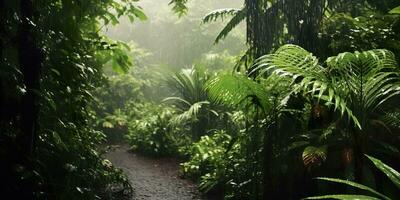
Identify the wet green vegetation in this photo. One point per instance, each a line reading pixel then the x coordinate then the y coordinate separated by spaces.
pixel 258 99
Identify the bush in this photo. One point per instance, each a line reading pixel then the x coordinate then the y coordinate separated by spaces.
pixel 110 106
pixel 208 160
pixel 152 133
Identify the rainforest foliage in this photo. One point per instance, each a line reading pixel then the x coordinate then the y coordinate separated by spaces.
pixel 259 99
pixel 51 57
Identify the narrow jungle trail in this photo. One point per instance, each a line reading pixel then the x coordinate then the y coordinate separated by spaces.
pixel 153 179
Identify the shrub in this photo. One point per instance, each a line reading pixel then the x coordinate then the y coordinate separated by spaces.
pixel 152 133
pixel 208 160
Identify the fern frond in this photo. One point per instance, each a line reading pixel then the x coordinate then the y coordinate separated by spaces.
pixel 220 14
pixel 237 90
pixel 307 74
pixel 372 77
pixel 177 100
pixel 179 7
pixel 189 83
pixel 238 16
pixel 314 156
pixel 392 119
pixel 191 114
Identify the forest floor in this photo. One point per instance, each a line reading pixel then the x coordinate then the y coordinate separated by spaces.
pixel 153 178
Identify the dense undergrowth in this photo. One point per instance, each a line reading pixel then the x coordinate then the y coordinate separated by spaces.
pixel 52 55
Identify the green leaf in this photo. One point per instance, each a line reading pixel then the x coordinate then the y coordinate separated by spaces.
pixel 139 14
pixel 220 14
pixel 235 21
pixel 239 15
pixel 179 7
pixel 356 185
pixel 395 11
pixel 56 71
pixel 117 68
pixel 107 125
pixel 314 156
pixel 392 174
pixel 344 197
pixel 236 90
pixel 58 140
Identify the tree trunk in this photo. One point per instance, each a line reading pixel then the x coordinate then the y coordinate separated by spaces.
pixel 268 179
pixel 358 157
pixel 2 30
pixel 30 61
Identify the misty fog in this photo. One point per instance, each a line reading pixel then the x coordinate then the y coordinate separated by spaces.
pixel 177 42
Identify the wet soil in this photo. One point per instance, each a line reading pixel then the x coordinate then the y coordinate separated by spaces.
pixel 153 178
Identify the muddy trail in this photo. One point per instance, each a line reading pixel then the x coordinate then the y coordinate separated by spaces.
pixel 153 179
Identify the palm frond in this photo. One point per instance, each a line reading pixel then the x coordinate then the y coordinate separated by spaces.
pixel 220 14
pixel 345 197
pixel 235 21
pixel 356 185
pixel 392 119
pixel 314 156
pixel 177 100
pixel 371 77
pixel 179 7
pixel 235 90
pixel 191 114
pixel 307 74
pixel 244 61
pixel 239 15
pixel 189 84
pixel 395 11
pixel 392 174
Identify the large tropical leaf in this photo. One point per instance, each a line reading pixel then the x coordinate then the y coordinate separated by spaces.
pixel 369 78
pixel 350 197
pixel 177 100
pixel 395 11
pixel 345 197
pixel 238 90
pixel 356 185
pixel 192 101
pixel 314 156
pixel 191 114
pixel 392 174
pixel 307 74
pixel 189 84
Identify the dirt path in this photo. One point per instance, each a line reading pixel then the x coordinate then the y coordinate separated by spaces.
pixel 153 179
